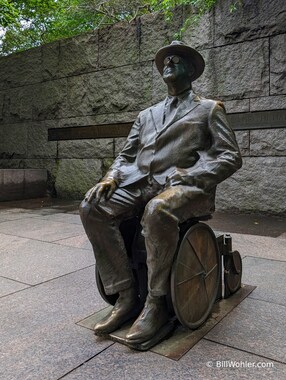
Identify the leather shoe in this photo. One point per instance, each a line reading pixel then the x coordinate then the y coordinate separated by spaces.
pixel 153 316
pixel 125 308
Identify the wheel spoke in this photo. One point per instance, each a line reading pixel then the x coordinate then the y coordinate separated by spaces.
pixel 199 304
pixel 206 251
pixel 205 289
pixel 195 276
pixel 210 271
pixel 190 278
pixel 185 265
pixel 196 254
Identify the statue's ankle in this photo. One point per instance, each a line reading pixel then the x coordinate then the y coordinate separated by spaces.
pixel 128 294
pixel 158 300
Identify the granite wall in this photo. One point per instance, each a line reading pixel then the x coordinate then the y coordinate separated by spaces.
pixel 108 76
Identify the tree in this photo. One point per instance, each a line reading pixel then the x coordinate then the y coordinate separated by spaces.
pixel 30 23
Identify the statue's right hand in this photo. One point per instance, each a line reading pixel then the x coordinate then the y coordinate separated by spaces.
pixel 106 188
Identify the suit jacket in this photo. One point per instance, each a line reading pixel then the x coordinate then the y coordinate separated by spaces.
pixel 196 148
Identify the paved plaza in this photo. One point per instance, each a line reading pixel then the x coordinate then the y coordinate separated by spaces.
pixel 47 287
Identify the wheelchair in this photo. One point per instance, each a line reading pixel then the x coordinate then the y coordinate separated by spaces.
pixel 204 270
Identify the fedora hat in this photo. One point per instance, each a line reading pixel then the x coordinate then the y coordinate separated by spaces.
pixel 179 48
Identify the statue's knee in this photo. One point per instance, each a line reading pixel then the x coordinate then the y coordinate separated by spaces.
pixel 155 211
pixel 95 214
pixel 84 209
pixel 87 210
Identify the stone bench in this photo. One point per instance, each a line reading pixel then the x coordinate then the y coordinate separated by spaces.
pixel 22 183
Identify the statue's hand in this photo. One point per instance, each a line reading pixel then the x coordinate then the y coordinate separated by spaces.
pixel 106 188
pixel 176 177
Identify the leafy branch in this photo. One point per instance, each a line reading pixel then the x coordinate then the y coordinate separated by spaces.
pixel 28 23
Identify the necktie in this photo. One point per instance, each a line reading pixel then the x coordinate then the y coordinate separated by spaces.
pixel 171 109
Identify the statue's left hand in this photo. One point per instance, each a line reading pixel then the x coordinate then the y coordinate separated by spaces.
pixel 176 177
pixel 106 188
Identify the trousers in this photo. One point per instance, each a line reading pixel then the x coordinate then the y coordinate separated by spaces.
pixel 163 210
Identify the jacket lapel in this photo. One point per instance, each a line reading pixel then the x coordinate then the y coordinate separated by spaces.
pixel 157 112
pixel 184 108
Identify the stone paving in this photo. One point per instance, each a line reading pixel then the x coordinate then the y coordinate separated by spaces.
pixel 47 286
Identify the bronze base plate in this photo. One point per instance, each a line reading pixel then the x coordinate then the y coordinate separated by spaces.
pixel 182 339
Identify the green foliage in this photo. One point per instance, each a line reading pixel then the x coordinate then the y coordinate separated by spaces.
pixel 8 13
pixel 234 6
pixel 29 23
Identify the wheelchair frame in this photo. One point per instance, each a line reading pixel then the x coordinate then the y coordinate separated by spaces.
pixel 205 268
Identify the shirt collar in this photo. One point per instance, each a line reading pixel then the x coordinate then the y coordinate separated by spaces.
pixel 182 96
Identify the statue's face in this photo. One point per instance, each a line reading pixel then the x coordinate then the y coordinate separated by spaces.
pixel 175 69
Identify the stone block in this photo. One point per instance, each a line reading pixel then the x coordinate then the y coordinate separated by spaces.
pixel 38 145
pixel 50 165
pixel 85 148
pixel 2 102
pixel 155 32
pixel 75 177
pixel 236 71
pixel 20 103
pixel 250 327
pixel 36 229
pixel 46 260
pixel 258 186
pixel 13 185
pixel 62 217
pixel 2 145
pixel 259 224
pixel 78 54
pixel 268 142
pixel 119 144
pixel 106 163
pixel 269 276
pixel 14 143
pixel 35 183
pixel 4 67
pixel 10 163
pixel 50 99
pixel 277 64
pixel 206 84
pixel 118 45
pixel 127 88
pixel 50 60
pixel 80 241
pixel 9 286
pixel 258 246
pixel 20 69
pixel 268 103
pixel 203 361
pixel 199 34
pixel 14 214
pixel 22 183
pixel 39 163
pixel 237 106
pixel 38 328
pixel 242 138
pixel 251 20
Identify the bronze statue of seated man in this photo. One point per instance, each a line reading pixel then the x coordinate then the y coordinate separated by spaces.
pixel 176 153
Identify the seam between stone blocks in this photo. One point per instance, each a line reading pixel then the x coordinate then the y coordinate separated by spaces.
pixel 269 67
pixel 248 352
pixel 139 63
pixel 242 42
pixel 86 361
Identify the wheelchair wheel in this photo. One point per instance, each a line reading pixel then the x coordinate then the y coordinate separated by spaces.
pixel 111 299
pixel 232 273
pixel 195 276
